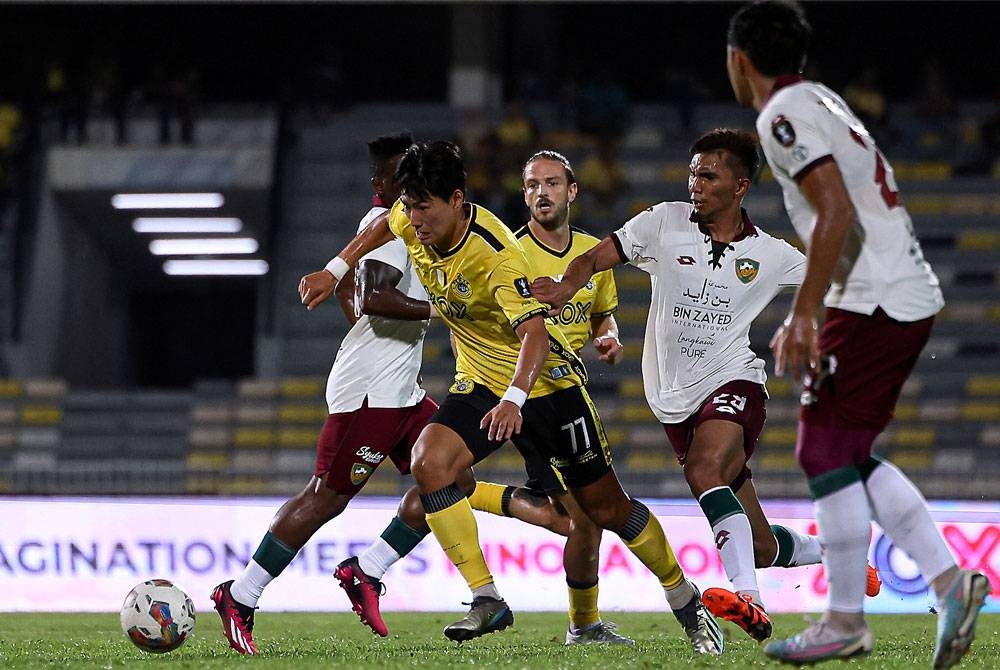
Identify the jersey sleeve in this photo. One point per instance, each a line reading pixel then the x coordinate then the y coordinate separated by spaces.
pixel 398 220
pixel 637 240
pixel 793 265
pixel 391 253
pixel 793 140
pixel 605 294
pixel 510 287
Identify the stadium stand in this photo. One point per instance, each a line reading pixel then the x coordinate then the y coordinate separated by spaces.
pixel 256 435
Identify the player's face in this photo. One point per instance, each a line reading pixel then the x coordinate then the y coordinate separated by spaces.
pixel 739 82
pixel 715 191
pixel 384 180
pixel 548 193
pixel 436 221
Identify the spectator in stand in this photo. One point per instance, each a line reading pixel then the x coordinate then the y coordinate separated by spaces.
pixel 603 173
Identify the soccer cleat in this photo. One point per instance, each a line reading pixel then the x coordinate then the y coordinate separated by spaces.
pixel 601 632
pixel 740 609
pixel 820 643
pixel 364 592
pixel 701 628
pixel 237 619
pixel 873 583
pixel 487 615
pixel 957 619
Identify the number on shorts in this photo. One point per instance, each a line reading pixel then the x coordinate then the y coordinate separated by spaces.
pixel 571 427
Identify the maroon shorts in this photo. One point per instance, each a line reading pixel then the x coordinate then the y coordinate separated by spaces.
pixel 353 444
pixel 740 401
pixel 866 361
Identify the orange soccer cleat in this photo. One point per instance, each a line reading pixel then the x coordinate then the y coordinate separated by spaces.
pixel 741 610
pixel 873 584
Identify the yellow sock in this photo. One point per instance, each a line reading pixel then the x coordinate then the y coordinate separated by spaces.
pixel 651 547
pixel 488 497
pixel 456 531
pixel 583 607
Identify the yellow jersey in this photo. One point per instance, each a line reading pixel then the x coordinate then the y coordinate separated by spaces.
pixel 480 289
pixel 598 297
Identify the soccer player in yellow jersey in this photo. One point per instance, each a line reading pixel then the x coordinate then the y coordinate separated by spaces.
pixel 550 187
pixel 508 362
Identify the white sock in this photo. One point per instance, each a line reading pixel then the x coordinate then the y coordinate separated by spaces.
pixel 844 530
pixel 248 587
pixel 377 558
pixel 680 595
pixel 808 550
pixel 488 590
pixel 902 512
pixel 734 540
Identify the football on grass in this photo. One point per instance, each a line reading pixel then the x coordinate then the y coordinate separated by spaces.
pixel 157 616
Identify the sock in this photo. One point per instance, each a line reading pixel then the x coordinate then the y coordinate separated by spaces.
pixel 450 517
pixel 487 591
pixel 397 540
pixel 492 498
pixel 902 512
pixel 583 612
pixel 733 537
pixel 269 561
pixel 844 522
pixel 680 595
pixel 644 537
pixel 795 548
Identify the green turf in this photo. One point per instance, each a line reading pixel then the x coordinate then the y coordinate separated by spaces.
pixel 332 641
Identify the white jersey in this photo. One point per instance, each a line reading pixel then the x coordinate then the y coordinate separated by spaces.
pixel 705 295
pixel 804 124
pixel 379 357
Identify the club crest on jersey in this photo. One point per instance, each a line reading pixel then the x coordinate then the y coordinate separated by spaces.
pixel 521 284
pixel 360 472
pixel 782 130
pixel 747 269
pixel 462 386
pixel 462 288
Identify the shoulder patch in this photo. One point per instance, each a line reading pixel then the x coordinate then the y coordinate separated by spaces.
pixel 522 287
pixel 782 130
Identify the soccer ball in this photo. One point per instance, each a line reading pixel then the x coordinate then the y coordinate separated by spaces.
pixel 157 616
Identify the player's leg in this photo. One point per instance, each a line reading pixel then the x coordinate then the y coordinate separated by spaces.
pixel 567 423
pixel 337 479
pixel 520 503
pixel 447 447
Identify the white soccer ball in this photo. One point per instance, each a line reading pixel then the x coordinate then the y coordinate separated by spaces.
pixel 157 616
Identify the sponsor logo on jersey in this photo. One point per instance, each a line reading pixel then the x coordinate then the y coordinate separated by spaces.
pixel 747 269
pixel 369 455
pixel 521 285
pixel 360 472
pixel 462 288
pixel 573 312
pixel 462 386
pixel 782 130
pixel 800 153
pixel 685 260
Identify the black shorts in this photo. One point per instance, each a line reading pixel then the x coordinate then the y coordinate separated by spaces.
pixel 561 430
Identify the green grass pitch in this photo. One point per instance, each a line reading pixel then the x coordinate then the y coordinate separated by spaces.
pixel 331 641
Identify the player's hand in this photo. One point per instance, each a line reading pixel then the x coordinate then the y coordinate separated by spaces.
pixel 609 349
pixel 552 292
pixel 315 288
pixel 502 421
pixel 796 346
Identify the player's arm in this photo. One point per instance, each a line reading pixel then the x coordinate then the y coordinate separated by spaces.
pixel 604 330
pixel 378 294
pixel 504 420
pixel 604 256
pixel 345 297
pixel 316 287
pixel 795 344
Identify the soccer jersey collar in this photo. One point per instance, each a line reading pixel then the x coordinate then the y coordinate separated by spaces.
pixel 546 248
pixel 783 81
pixel 468 230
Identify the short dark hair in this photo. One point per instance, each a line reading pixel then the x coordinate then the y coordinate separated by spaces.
pixel 550 155
pixel 774 34
pixel 740 146
pixel 431 169
pixel 383 148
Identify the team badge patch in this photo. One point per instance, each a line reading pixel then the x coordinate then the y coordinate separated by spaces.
pixel 521 284
pixel 360 472
pixel 782 130
pixel 462 288
pixel 747 269
pixel 461 386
